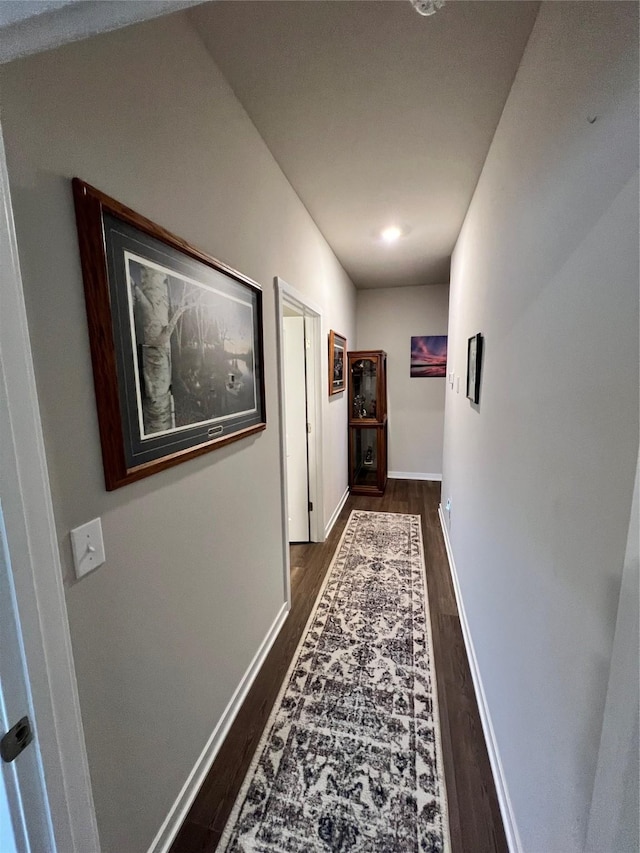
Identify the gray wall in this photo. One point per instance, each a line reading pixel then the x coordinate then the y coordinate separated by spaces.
pixel 541 472
pixel 164 631
pixel 386 319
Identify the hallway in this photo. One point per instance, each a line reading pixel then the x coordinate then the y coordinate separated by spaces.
pixel 498 142
pixel 474 815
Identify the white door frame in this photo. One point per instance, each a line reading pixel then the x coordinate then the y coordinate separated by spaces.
pixel 313 326
pixel 296 420
pixel 35 564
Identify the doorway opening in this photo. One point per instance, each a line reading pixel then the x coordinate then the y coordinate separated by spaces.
pixel 299 325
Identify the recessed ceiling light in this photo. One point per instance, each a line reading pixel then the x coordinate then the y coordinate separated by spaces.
pixel 391 234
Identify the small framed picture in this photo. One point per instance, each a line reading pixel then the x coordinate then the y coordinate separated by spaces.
pixel 176 342
pixel 474 364
pixel 337 350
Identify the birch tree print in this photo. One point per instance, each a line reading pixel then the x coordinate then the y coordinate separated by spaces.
pixel 195 359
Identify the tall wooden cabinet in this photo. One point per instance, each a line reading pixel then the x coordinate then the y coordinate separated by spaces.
pixel 367 422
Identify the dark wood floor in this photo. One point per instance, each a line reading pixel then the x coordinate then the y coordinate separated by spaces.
pixel 474 816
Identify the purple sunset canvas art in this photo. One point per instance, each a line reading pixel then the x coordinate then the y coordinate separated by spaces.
pixel 429 355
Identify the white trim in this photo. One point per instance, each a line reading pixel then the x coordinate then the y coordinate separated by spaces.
pixel 315 386
pixel 506 808
pixel 284 500
pixel 36 568
pixel 336 513
pixel 409 475
pixel 297 297
pixel 178 812
pixel 316 378
pixel 295 424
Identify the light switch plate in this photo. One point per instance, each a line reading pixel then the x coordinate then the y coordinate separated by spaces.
pixel 88 547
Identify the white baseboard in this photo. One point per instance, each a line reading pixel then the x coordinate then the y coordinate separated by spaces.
pixel 174 820
pixel 506 809
pixel 409 475
pixel 336 513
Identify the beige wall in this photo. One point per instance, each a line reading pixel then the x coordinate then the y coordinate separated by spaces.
pixel 541 472
pixel 387 318
pixel 165 630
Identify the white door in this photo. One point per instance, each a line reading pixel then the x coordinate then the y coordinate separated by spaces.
pixel 24 810
pixel 7 835
pixel 45 794
pixel 295 399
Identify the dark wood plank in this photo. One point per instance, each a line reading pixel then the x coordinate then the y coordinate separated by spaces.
pixel 474 815
pixel 194 838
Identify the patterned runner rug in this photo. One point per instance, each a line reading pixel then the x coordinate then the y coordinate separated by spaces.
pixel 351 759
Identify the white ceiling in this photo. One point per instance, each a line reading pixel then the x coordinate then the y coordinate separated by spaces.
pixel 375 114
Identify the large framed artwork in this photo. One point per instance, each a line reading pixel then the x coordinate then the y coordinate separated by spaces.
pixel 474 365
pixel 176 342
pixel 337 350
pixel 428 355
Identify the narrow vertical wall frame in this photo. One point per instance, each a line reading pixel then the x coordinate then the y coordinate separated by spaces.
pixel 337 363
pixel 474 367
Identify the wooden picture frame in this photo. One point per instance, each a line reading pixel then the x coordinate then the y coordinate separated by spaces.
pixel 474 366
pixel 337 362
pixel 176 342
